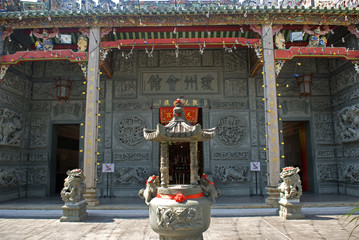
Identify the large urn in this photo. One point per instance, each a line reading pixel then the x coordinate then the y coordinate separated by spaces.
pixel 179 211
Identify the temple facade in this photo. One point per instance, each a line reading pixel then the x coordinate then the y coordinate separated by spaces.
pixel 79 82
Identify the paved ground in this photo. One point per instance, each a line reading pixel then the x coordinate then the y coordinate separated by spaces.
pixel 127 219
pixel 227 224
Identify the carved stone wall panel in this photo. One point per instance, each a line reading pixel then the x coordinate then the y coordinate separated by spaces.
pixel 67 111
pixel 235 87
pixel 259 87
pixel 254 130
pixel 131 156
pixel 345 79
pixel 286 86
pixel 174 81
pixel 39 131
pixel 345 98
pixel 38 69
pixel 186 58
pixel 351 173
pixel 261 128
pixel 232 129
pixel 127 63
pixel 351 152
pixel 11 128
pixel 10 100
pixel 335 63
pixel 227 174
pixel 322 65
pixel 131 175
pixel 179 218
pixel 347 124
pixel 125 88
pixel 149 59
pixel 324 153
pixel 128 130
pixel 294 107
pixel 62 68
pixel 108 130
pixel 260 104
pixel 37 175
pixel 24 67
pixel 38 156
pixel 306 64
pixel 230 104
pixel 327 172
pixel 320 87
pixel 40 107
pixel 218 58
pixel 44 91
pixel 320 104
pixel 119 106
pixel 14 83
pixel 323 131
pixel 208 58
pixel 12 156
pixel 239 155
pixel 236 61
pixel 78 88
pixel 9 176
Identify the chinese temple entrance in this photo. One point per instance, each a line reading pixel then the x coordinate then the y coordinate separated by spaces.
pixel 179 162
pixel 297 151
pixel 65 153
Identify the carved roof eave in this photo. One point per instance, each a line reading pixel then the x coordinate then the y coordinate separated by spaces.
pixel 166 134
pixel 21 20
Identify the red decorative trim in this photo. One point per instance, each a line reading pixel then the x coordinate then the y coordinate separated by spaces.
pixel 309 52
pixel 191 114
pixel 179 197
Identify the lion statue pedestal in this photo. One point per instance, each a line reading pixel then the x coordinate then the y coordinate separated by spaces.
pixel 290 193
pixel 74 209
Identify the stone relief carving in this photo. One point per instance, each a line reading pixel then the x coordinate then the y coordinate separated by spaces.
pixel 207 58
pixel 261 128
pixel 8 177
pixel 351 173
pixel 334 63
pixel 218 59
pixel 254 131
pixel 328 172
pixel 236 104
pixel 230 130
pixel 60 68
pixel 13 83
pixel 129 130
pixel 179 218
pixel 322 65
pixel 294 107
pixel 346 78
pixel 78 88
pixel 348 123
pixel 108 131
pixel 44 90
pixel 351 152
pixel 320 87
pixel 40 107
pixel 125 89
pixel 131 156
pixel 323 128
pixel 38 132
pixel 17 103
pixel 37 175
pixel 235 87
pixel 185 58
pixel 11 127
pixel 38 157
pixel 346 97
pixel 66 110
pixel 235 61
pixel 327 153
pixel 126 63
pixel 243 155
pixel 286 86
pixel 12 156
pixel 131 175
pixel 320 103
pixel 231 174
pixel 128 106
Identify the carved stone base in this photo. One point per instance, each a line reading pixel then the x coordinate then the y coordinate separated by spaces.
pixel 91 197
pixel 273 196
pixel 174 219
pixel 74 212
pixel 290 209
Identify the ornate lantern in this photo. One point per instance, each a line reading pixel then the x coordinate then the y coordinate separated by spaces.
pixel 63 89
pixel 304 85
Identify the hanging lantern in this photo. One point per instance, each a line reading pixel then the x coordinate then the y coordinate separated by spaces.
pixel 63 89
pixel 304 85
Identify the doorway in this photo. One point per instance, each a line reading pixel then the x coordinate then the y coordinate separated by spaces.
pixel 65 153
pixel 296 139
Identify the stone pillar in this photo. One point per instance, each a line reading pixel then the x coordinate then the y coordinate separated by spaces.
pixel 194 162
pixel 91 118
pixel 271 116
pixel 164 167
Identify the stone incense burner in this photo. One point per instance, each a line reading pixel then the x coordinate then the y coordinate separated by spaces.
pixel 179 211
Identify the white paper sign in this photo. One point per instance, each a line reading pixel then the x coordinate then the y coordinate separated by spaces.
pixel 108 167
pixel 255 166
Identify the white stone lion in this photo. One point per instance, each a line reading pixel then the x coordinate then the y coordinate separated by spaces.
pixel 291 187
pixel 74 186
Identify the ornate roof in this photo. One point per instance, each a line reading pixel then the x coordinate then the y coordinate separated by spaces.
pixel 178 129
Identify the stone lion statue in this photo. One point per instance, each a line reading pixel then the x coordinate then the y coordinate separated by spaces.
pixel 291 187
pixel 74 186
pixel 148 193
pixel 208 188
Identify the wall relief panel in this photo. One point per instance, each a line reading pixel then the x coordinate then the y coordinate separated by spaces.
pixel 15 102
pixel 236 61
pixel 14 83
pixel 39 131
pixel 320 87
pixel 347 124
pixel 131 156
pixel 231 130
pixel 327 172
pixel 323 131
pixel 44 90
pixel 9 177
pixel 235 87
pixel 186 58
pixel 351 152
pixel 235 104
pixel 131 175
pixel 320 104
pixel 63 68
pixel 324 153
pixel 125 88
pixel 69 110
pixel 345 79
pixel 37 175
pixel 241 155
pixel 11 127
pixel 351 173
pixel 291 90
pixel 226 174
pixel 38 157
pixel 119 105
pixel 129 130
pixel 12 156
pixel 294 107
pixel 346 97
pixel 40 107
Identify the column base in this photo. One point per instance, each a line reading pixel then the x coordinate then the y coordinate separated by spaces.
pixel 91 197
pixel 273 196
